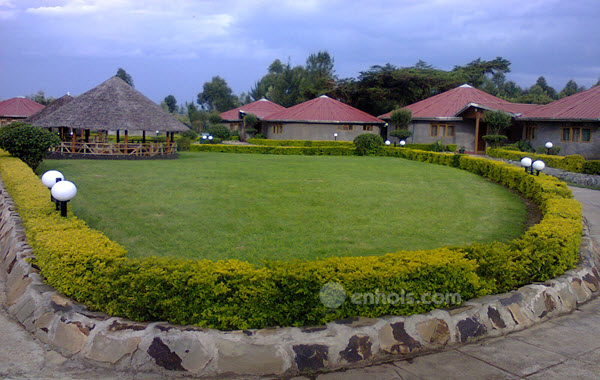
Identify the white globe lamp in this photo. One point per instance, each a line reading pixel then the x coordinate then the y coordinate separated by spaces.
pixel 63 192
pixel 402 142
pixel 51 177
pixel 538 165
pixel 387 142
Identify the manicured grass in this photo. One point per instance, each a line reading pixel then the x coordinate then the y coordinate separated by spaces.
pixel 254 207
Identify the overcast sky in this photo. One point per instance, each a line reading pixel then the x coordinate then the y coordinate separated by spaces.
pixel 174 46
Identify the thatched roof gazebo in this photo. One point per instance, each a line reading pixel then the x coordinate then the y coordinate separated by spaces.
pixel 112 106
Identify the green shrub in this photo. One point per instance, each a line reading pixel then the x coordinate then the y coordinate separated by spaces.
pixel 591 167
pixel 367 144
pixel 190 134
pixel 555 150
pixel 494 140
pixel 183 143
pixel 218 130
pixel 259 136
pixel 27 142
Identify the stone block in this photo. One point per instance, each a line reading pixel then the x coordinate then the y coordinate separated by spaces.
pixel 434 331
pixel 70 337
pixel 111 349
pixel 358 348
pixel 470 328
pixel 251 359
pixel 518 316
pixel 393 338
pixel 311 357
pixel 581 293
pixel 16 289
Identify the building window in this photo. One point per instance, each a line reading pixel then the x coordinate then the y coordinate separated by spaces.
pixel 345 127
pixel 367 127
pixel 441 130
pixel 433 130
pixel 277 129
pixel 530 132
pixel 576 134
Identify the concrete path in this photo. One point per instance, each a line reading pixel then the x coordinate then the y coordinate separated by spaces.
pixel 565 347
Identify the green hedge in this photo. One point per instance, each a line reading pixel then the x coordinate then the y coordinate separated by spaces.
pixel 572 163
pixel 305 143
pixel 87 266
pixel 432 147
pixel 279 150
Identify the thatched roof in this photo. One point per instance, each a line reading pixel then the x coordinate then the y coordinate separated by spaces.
pixel 113 105
pixel 56 104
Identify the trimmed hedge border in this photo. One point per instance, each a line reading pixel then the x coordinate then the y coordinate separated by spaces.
pixel 106 341
pixel 83 262
pixel 573 163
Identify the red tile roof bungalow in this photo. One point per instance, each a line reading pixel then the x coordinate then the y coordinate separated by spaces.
pixel 18 108
pixel 260 108
pixel 320 119
pixel 573 123
pixel 454 117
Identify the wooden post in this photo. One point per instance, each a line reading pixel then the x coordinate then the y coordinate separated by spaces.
pixel 117 136
pixel 87 135
pixel 476 132
pixel 126 141
pixel 73 137
pixel 143 137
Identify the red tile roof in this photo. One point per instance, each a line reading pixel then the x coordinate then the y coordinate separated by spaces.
pixel 260 108
pixel 324 109
pixel 451 104
pixel 583 105
pixel 19 107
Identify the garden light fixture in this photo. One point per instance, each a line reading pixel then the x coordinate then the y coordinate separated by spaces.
pixel 402 143
pixel 335 135
pixel 548 146
pixel 387 142
pixel 49 179
pixel 526 163
pixel 538 165
pixel 63 192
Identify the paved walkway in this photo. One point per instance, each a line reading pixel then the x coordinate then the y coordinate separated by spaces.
pixel 565 347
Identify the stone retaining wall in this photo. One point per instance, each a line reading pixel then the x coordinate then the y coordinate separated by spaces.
pixel 158 347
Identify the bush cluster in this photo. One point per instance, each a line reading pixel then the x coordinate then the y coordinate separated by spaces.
pixel 278 150
pixel 27 142
pixel 230 294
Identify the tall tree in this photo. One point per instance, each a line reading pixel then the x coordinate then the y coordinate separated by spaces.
pixel 319 77
pixel 121 73
pixel 476 71
pixel 571 88
pixel 541 82
pixel 171 103
pixel 217 96
pixel 40 97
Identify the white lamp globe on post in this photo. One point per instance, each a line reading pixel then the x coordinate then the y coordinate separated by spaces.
pixel 387 142
pixel 50 178
pixel 548 146
pixel 526 163
pixel 63 192
pixel 335 135
pixel 538 165
pixel 402 143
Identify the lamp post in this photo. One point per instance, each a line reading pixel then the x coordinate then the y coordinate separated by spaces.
pixel 63 192
pixel 548 146
pixel 49 179
pixel 387 142
pixel 526 163
pixel 538 165
pixel 402 143
pixel 335 135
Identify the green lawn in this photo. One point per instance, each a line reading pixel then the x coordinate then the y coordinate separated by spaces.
pixel 254 207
